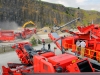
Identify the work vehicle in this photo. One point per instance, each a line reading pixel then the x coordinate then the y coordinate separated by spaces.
pixel 7 35
pixel 27 23
pixel 27 32
pixel 45 61
pixel 89 34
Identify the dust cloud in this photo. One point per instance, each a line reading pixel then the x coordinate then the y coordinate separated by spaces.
pixel 8 25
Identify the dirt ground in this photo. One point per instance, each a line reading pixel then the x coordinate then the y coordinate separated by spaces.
pixel 48 30
pixel 42 31
pixel 41 34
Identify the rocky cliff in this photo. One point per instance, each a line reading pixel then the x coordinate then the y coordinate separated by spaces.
pixel 43 13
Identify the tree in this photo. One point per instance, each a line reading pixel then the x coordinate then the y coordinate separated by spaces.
pixel 33 41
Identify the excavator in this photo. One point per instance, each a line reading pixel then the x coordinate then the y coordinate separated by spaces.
pixel 26 33
pixel 29 22
pixel 10 35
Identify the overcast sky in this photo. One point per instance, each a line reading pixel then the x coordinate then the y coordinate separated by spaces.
pixel 83 4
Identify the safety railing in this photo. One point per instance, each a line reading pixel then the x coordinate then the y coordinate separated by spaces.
pixel 90 53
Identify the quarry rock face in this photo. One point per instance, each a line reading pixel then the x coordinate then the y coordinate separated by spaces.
pixel 42 13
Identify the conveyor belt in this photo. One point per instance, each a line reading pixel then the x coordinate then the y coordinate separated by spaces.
pixel 94 63
pixel 56 36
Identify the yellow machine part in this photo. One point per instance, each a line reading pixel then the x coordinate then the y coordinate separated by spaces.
pixel 29 22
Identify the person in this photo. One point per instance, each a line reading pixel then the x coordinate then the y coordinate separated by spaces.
pixel 43 43
pixel 49 46
pixel 83 45
pixel 77 46
pixel 64 35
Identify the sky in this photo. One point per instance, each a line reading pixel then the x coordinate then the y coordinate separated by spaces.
pixel 83 4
